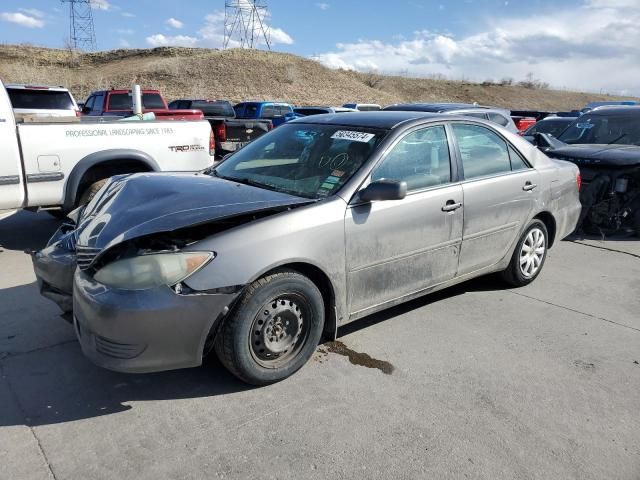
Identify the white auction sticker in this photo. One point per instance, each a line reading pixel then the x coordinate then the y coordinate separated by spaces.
pixel 353 136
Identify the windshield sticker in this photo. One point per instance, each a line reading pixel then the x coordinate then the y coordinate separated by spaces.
pixel 332 179
pixel 353 136
pixel 337 173
pixel 327 186
pixel 585 126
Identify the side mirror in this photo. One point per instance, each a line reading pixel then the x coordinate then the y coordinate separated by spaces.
pixel 383 190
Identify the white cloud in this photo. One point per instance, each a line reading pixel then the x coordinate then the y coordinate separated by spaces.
pixel 323 6
pixel 33 12
pixel 127 14
pixel 124 43
pixel 555 46
pixel 125 31
pixel 101 4
pixel 21 19
pixel 174 23
pixel 159 40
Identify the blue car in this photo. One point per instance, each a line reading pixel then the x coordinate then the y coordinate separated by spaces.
pixel 278 113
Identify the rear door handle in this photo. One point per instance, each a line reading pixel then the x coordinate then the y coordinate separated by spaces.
pixel 529 186
pixel 451 205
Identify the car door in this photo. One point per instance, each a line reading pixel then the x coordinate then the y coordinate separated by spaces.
pixel 11 179
pixel 500 191
pixel 398 247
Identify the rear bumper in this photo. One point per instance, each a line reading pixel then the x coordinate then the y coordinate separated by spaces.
pixel 143 331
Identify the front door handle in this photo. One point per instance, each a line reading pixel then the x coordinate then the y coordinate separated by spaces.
pixel 529 186
pixel 451 205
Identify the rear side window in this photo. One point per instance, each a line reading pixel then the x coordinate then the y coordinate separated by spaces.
pixel 123 101
pixel 40 99
pixel 421 159
pixel 517 162
pixel 499 119
pixel 481 115
pixel 483 151
pixel 270 111
pixel 152 100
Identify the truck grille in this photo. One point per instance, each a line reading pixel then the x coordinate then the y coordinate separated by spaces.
pixel 85 256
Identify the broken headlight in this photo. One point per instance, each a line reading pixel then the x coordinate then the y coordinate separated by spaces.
pixel 154 270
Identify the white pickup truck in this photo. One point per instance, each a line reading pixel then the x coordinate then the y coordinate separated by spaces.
pixel 57 164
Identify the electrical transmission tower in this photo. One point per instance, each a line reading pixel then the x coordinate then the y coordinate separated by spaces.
pixel 244 23
pixel 81 33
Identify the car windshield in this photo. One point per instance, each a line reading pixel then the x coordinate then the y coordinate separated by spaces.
pixel 214 108
pixel 124 101
pixel 602 129
pixel 312 161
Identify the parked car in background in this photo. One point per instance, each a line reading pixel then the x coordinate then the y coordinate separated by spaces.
pixel 590 106
pixel 278 113
pixel 60 165
pixel 363 107
pixel 554 126
pixel 306 111
pixel 523 123
pixel 231 133
pixel 496 115
pixel 605 144
pixel 120 103
pixel 41 101
pixel 319 222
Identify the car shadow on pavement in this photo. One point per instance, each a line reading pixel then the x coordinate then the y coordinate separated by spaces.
pixel 481 284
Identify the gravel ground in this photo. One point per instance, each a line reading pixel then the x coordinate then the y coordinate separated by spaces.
pixel 475 382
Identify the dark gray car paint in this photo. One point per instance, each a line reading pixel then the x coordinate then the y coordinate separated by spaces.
pixel 75 177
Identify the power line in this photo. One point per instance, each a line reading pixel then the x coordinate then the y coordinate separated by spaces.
pixel 244 23
pixel 82 35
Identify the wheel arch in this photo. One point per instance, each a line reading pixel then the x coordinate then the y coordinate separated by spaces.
pixel 127 159
pixel 550 222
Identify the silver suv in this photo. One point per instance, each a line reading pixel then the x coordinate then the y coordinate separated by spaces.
pixel 496 115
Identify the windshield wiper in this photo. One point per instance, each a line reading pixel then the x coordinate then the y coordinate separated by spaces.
pixel 619 138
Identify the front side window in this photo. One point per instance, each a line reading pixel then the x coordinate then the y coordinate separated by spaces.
pixel 483 151
pixel 421 159
pixel 601 129
pixel 312 161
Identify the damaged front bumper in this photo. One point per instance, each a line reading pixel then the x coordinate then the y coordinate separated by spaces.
pixel 138 331
pixel 54 267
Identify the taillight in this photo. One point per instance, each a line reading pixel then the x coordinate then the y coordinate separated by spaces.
pixel 212 144
pixel 78 113
pixel 221 132
pixel 578 181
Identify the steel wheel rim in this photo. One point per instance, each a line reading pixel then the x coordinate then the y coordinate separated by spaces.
pixel 532 252
pixel 279 330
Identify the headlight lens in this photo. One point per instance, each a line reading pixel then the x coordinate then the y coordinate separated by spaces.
pixel 149 271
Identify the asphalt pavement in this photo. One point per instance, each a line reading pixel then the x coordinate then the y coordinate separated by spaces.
pixel 478 381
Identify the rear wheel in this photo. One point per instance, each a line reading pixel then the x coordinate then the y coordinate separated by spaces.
pixel 90 192
pixel 529 255
pixel 274 329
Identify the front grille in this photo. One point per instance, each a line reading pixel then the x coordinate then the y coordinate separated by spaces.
pixel 85 256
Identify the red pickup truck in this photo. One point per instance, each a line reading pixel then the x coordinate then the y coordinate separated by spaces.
pixel 119 103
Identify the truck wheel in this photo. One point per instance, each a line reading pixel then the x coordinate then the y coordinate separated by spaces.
pixel 529 256
pixel 90 192
pixel 273 330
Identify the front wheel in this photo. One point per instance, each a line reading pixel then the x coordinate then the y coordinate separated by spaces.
pixel 273 330
pixel 529 256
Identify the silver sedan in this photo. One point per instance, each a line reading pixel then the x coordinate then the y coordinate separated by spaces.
pixel 322 221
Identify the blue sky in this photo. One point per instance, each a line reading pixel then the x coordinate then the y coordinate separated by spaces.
pixel 569 44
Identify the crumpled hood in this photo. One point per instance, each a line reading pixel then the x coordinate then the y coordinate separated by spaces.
pixel 598 155
pixel 145 203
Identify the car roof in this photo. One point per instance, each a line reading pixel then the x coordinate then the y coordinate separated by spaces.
pixel 375 119
pixel 22 86
pixel 439 107
pixel 620 110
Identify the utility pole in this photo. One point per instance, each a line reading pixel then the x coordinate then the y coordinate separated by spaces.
pixel 244 23
pixel 82 35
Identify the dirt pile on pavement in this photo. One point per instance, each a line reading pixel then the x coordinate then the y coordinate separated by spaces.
pixel 238 74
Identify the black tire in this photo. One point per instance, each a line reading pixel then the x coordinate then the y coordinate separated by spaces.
pixel 245 341
pixel 90 192
pixel 515 274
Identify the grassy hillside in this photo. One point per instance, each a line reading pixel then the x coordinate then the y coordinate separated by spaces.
pixel 256 75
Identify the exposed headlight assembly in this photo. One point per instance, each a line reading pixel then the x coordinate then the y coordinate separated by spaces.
pixel 154 270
